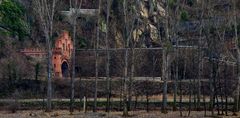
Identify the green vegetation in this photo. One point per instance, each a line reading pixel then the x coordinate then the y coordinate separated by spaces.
pixel 37 70
pixel 12 19
pixel 168 46
pixel 2 44
pixel 184 15
pixel 190 2
pixel 172 3
pixel 82 42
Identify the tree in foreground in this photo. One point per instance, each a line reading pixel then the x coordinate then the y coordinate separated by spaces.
pixel 45 11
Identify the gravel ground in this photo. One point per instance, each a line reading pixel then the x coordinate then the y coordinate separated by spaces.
pixel 76 114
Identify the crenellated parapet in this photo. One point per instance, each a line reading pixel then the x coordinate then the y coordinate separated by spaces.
pixel 34 52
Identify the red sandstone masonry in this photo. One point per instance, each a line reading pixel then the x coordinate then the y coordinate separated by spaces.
pixel 61 53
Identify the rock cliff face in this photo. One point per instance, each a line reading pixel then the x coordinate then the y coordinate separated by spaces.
pixel 148 14
pixel 144 31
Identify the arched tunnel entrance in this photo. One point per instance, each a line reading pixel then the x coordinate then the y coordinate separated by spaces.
pixel 64 68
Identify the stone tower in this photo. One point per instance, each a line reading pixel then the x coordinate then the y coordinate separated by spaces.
pixel 62 55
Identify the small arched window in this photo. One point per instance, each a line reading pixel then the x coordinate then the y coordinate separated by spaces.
pixel 64 48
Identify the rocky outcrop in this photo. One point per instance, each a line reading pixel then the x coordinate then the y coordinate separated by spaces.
pixel 150 12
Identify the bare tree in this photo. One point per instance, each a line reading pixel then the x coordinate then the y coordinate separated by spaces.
pixel 127 33
pixel 133 52
pixel 97 56
pixel 165 59
pixel 108 56
pixel 126 37
pixel 129 23
pixel 73 20
pixel 177 60
pixel 238 53
pixel 225 90
pixel 199 57
pixel 46 10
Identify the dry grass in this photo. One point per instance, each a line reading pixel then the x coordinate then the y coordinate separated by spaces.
pixel 76 114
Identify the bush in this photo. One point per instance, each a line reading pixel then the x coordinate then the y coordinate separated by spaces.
pixel 12 18
pixel 190 2
pixel 184 16
pixel 172 3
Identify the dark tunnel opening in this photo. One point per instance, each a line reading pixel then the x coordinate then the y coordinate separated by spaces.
pixel 64 68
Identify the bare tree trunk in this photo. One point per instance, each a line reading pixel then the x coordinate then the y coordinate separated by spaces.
pixel 190 97
pixel 80 92
pixel 164 77
pixel 200 61
pixel 77 6
pixel 108 57
pixel 181 94
pixel 176 80
pixel 97 57
pixel 165 59
pixel 180 101
pixel 238 55
pixel 177 58
pixel 73 68
pixel 137 2
pixel 131 79
pixel 194 92
pixel 147 94
pixel 217 89
pixel 126 37
pixel 121 96
pixel 211 102
pixel 225 90
pixel 136 102
pixel 204 104
pixel 222 104
pixel 49 87
pixel 125 110
pixel 46 11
